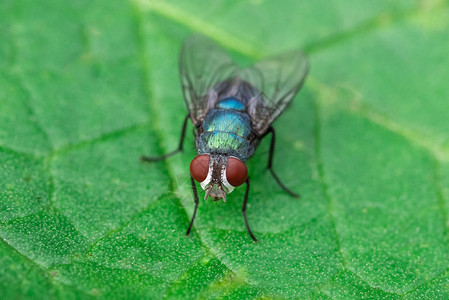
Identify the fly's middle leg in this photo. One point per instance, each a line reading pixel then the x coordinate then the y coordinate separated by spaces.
pixel 179 149
pixel 270 163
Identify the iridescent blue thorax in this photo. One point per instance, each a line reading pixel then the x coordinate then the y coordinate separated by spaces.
pixel 226 130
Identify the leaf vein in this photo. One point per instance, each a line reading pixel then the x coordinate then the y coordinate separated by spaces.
pixel 321 175
pixel 356 107
pixel 188 20
pixel 385 19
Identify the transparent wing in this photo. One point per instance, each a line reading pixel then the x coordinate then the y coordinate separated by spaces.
pixel 203 64
pixel 277 80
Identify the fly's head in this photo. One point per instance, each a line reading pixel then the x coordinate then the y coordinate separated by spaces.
pixel 218 174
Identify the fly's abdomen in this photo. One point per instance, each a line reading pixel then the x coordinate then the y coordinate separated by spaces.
pixel 226 130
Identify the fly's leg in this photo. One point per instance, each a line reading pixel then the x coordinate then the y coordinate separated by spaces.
pixel 245 200
pixel 195 196
pixel 270 164
pixel 181 142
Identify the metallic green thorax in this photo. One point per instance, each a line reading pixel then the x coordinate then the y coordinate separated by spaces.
pixel 225 130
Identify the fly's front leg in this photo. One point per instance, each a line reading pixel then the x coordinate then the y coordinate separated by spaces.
pixel 270 163
pixel 195 197
pixel 179 149
pixel 245 200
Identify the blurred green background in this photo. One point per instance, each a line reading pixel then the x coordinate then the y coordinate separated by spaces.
pixel 86 87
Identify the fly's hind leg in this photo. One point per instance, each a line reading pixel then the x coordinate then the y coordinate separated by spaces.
pixel 179 149
pixel 270 164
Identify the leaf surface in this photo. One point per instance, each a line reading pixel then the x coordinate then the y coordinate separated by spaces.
pixel 88 87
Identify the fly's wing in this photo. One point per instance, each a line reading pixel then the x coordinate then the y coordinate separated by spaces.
pixel 278 80
pixel 203 64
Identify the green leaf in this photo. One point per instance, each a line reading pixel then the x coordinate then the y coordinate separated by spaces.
pixel 87 87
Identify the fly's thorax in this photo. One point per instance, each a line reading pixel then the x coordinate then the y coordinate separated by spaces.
pixel 224 173
pixel 227 120
pixel 224 142
pixel 226 129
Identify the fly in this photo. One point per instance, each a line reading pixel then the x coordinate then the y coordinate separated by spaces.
pixel 232 110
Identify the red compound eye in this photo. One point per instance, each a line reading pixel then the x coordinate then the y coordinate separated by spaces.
pixel 236 171
pixel 199 167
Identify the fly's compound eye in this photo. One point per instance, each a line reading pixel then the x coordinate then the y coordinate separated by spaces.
pixel 236 171
pixel 199 167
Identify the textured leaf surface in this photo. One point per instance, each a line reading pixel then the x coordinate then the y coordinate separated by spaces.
pixel 87 87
